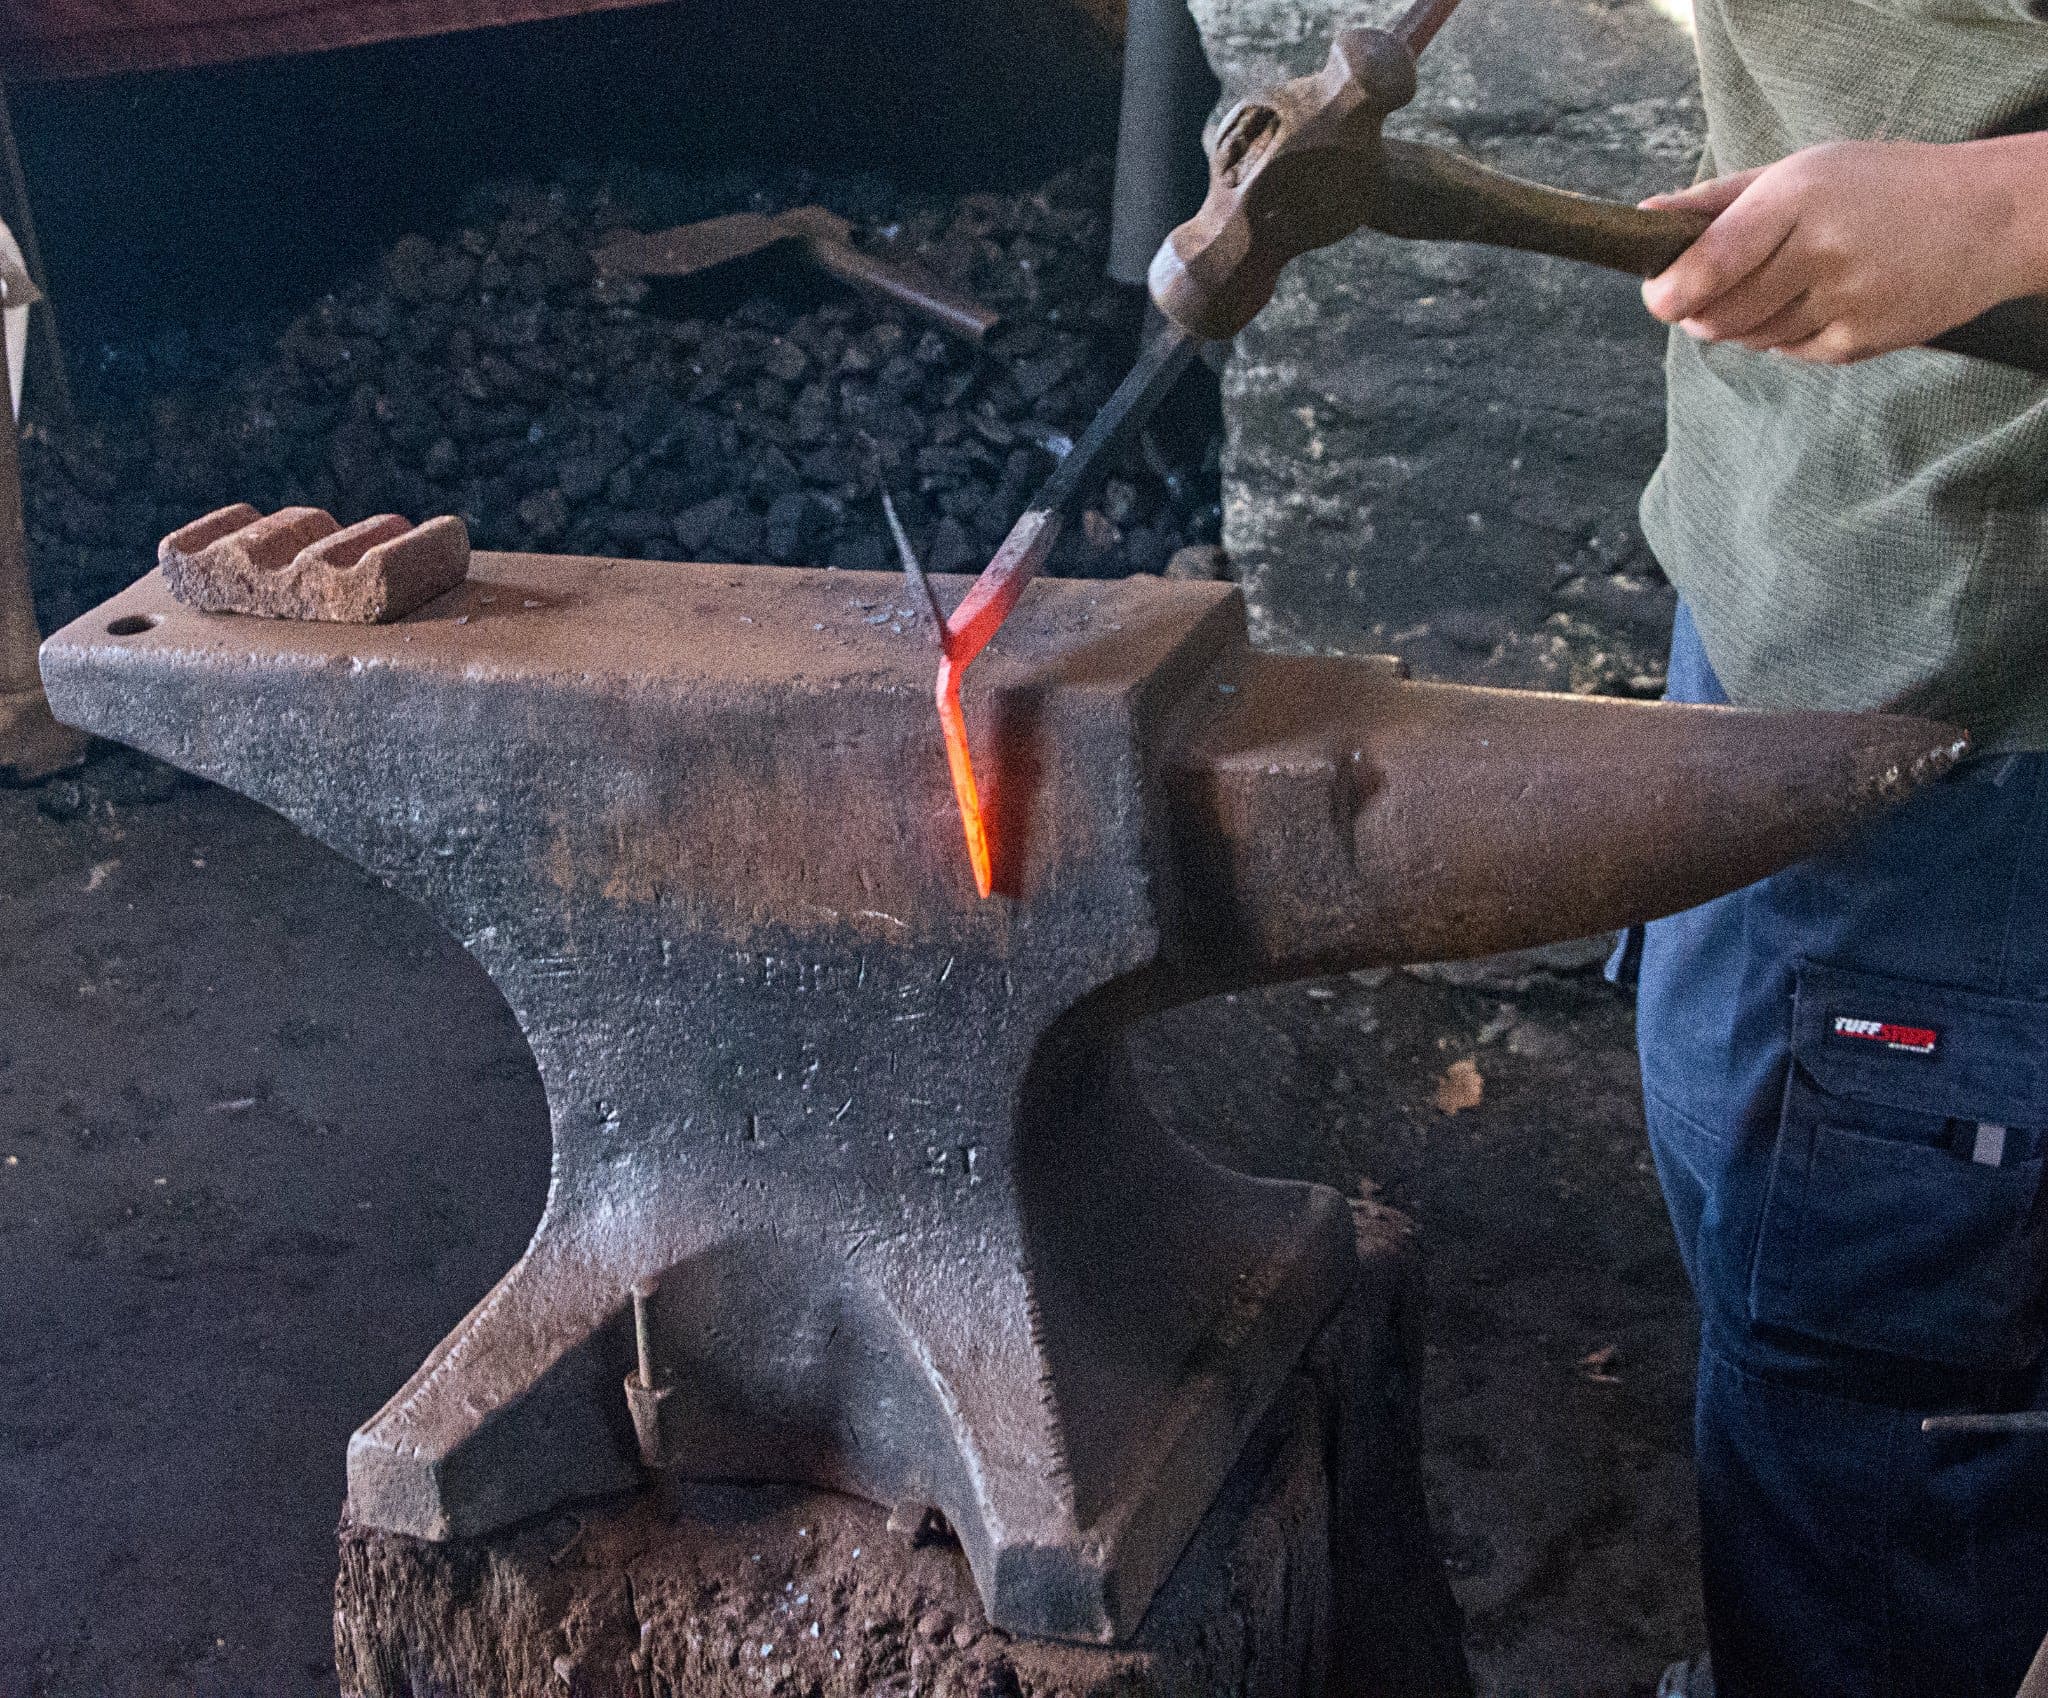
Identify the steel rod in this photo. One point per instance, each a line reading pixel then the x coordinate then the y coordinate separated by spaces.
pixel 643 1342
pixel 913 569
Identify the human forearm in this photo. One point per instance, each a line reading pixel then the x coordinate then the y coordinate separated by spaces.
pixel 1856 248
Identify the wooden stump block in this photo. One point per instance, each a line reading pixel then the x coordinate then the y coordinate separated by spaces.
pixel 1312 1577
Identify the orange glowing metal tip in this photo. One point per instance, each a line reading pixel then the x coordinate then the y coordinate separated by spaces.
pixel 953 723
pixel 955 652
pixel 965 635
pixel 977 619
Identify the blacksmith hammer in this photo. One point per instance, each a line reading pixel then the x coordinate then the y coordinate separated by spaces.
pixel 820 237
pixel 1303 165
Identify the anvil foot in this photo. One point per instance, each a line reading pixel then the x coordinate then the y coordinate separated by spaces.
pixel 1313 1575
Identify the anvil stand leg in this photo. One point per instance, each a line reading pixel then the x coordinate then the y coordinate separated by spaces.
pixel 1313 1576
pixel 32 744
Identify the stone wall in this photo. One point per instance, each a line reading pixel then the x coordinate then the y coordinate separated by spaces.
pixel 1438 448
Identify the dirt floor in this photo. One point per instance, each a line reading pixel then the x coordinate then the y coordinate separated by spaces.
pixel 265 1134
pixel 1558 1398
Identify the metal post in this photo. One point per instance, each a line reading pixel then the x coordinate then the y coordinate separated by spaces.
pixel 32 744
pixel 54 383
pixel 1161 172
pixel 647 1390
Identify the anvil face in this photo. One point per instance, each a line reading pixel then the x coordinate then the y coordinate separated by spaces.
pixel 870 1141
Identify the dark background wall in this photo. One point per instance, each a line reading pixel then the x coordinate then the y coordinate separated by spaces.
pixel 168 195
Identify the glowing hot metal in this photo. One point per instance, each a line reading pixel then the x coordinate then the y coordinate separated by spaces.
pixel 952 717
pixel 968 631
pixel 1024 551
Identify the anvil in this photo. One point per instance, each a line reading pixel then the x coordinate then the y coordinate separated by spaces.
pixel 868 1147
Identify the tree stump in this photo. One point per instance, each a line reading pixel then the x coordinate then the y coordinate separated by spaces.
pixel 1313 1575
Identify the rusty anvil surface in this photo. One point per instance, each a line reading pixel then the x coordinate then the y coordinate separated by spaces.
pixel 911 1231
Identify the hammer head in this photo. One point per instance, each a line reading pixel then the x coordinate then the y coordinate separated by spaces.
pixel 1294 169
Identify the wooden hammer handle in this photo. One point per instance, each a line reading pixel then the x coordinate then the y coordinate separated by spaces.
pixel 1431 194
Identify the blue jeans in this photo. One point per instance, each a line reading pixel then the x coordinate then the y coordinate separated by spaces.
pixel 1845 1069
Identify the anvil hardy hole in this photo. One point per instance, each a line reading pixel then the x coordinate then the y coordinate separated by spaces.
pixel 132 624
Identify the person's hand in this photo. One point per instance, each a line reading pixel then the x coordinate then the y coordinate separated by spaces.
pixel 1852 249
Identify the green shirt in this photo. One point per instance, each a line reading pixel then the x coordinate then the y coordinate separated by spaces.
pixel 1869 535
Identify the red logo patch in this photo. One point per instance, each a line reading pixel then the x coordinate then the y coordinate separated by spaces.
pixel 1914 1040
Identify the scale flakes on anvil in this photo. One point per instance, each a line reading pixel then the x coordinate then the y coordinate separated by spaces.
pixel 852 1185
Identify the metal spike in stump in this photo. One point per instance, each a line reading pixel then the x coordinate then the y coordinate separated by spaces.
pixel 916 1234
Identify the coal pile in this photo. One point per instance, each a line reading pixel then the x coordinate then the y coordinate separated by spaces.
pixel 491 372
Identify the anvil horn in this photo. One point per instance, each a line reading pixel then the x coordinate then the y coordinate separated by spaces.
pixel 1336 816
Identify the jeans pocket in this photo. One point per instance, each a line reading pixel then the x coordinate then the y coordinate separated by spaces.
pixel 1903 1213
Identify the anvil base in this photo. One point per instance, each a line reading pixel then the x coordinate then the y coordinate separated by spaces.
pixel 1312 1577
